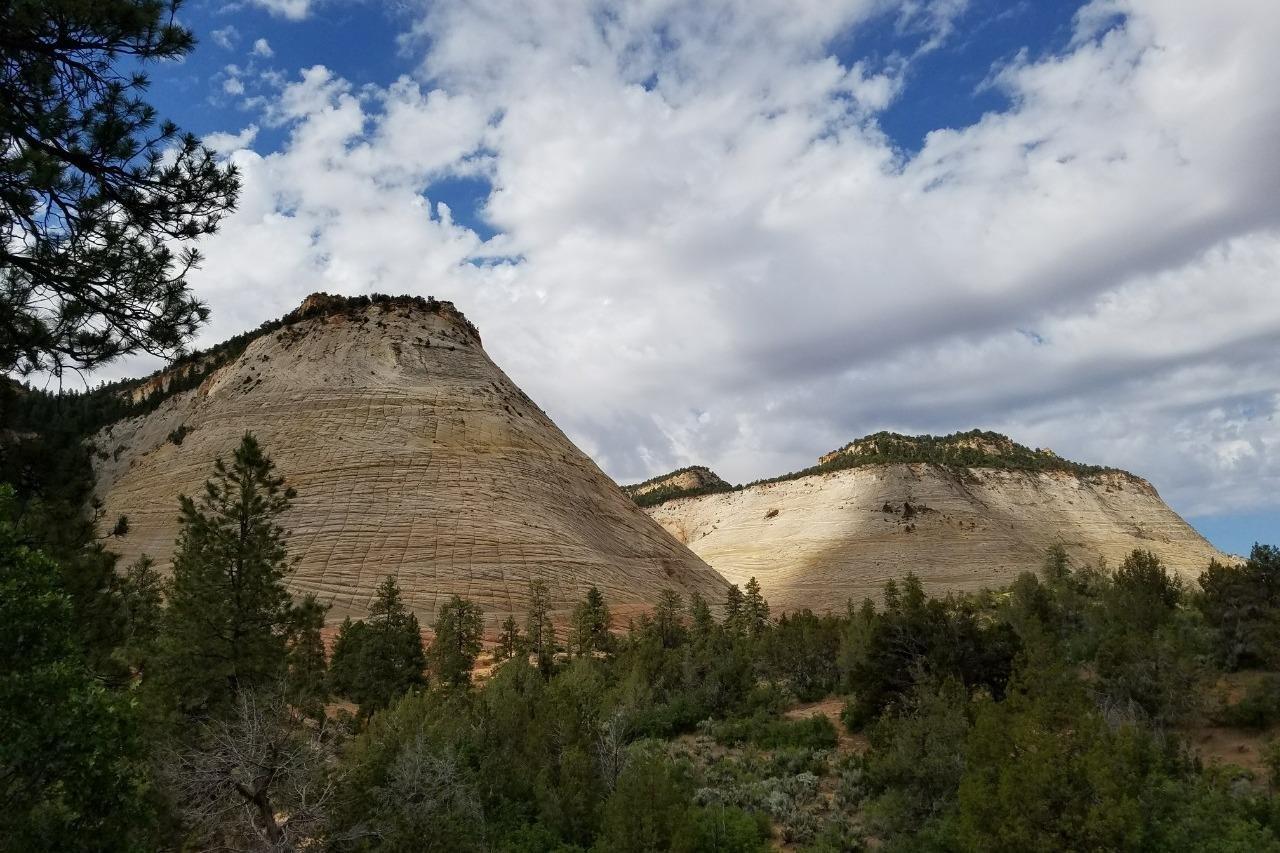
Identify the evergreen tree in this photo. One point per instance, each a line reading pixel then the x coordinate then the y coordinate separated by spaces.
pixel 458 631
pixel 70 756
pixel 733 610
pixel 539 632
pixel 229 612
pixel 668 618
pixel 306 685
pixel 589 631
pixel 509 640
pixel 140 591
pixel 95 195
pixel 700 619
pixel 755 609
pixel 376 661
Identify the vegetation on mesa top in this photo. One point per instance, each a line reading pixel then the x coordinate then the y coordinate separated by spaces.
pixel 86 412
pixel 961 450
pixel 686 482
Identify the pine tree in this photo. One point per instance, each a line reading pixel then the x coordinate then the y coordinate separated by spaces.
pixel 668 618
pixel 458 630
pixel 589 632
pixel 733 610
pixel 71 759
pixel 755 609
pixel 510 642
pixel 229 612
pixel 96 194
pixel 700 618
pixel 376 661
pixel 307 685
pixel 539 631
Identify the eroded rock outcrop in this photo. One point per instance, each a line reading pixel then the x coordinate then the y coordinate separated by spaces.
pixel 412 455
pixel 830 534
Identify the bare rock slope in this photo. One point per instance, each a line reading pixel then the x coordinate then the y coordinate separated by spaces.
pixel 859 518
pixel 412 455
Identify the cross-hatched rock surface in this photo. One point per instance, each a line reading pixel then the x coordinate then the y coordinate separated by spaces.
pixel 821 540
pixel 413 455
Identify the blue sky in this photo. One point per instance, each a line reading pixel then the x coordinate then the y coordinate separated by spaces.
pixel 740 233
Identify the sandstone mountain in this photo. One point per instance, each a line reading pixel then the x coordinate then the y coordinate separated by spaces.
pixel 682 483
pixel 962 512
pixel 412 455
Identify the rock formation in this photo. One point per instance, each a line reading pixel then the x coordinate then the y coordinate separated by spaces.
pixel 412 454
pixel 841 529
pixel 694 480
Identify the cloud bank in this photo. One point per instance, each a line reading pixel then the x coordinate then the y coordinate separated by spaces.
pixel 707 251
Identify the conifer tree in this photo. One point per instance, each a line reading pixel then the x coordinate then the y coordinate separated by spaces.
pixel 755 609
pixel 509 640
pixel 700 618
pixel 96 194
pixel 733 610
pixel 376 661
pixel 668 618
pixel 458 630
pixel 306 684
pixel 589 632
pixel 539 631
pixel 229 612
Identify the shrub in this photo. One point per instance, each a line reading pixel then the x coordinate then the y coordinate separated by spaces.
pixel 1259 708
pixel 814 732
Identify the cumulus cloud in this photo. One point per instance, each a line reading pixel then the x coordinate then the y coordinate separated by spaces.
pixel 226 37
pixel 293 10
pixel 262 47
pixel 707 250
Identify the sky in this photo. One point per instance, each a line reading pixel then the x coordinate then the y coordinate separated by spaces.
pixel 741 233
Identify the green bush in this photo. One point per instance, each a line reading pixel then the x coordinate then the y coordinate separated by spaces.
pixel 1259 708
pixel 766 732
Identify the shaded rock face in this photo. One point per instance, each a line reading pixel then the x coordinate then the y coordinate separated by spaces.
pixel 413 455
pixel 821 540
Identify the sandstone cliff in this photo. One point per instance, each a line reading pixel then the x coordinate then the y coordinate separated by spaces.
pixel 412 455
pixel 820 539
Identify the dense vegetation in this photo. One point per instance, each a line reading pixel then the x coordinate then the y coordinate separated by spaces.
pixel 958 451
pixel 204 712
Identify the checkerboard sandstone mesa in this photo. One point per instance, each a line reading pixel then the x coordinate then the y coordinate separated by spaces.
pixel 964 511
pixel 412 454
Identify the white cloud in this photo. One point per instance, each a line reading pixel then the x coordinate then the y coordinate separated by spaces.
pixel 225 37
pixel 293 10
pixel 718 257
pixel 233 86
pixel 262 47
pixel 228 143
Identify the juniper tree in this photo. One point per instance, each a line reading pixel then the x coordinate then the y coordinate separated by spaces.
pixel 458 631
pixel 96 194
pixel 229 612
pixel 376 661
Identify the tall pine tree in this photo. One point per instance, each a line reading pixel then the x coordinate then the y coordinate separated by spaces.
pixel 229 612
pixel 539 630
